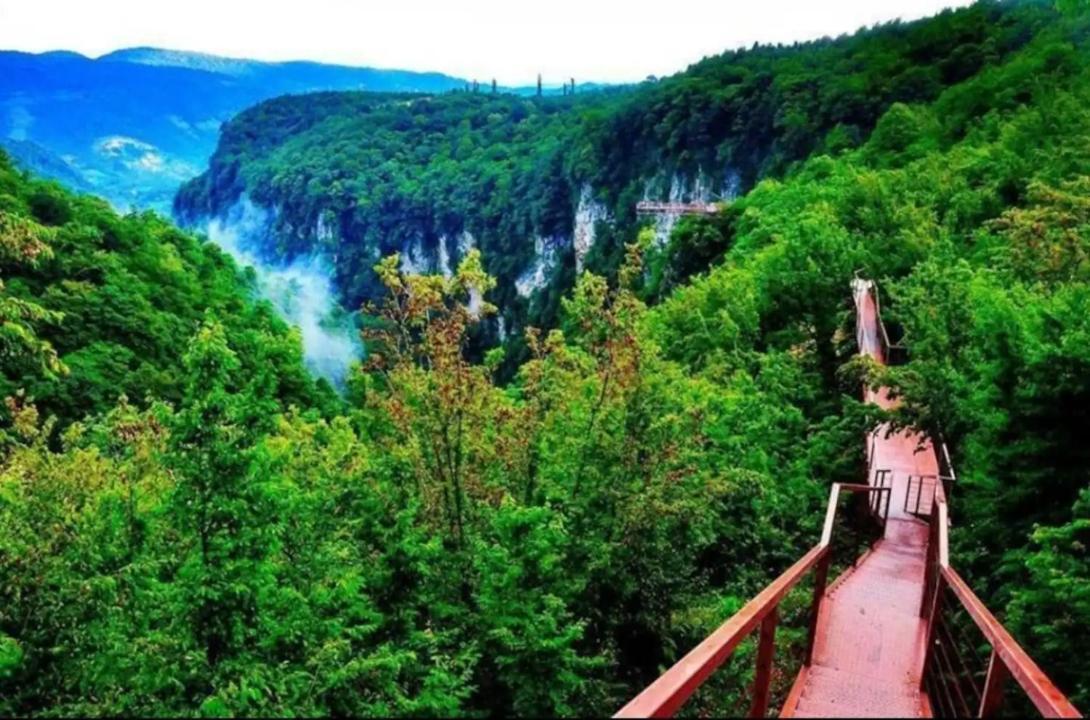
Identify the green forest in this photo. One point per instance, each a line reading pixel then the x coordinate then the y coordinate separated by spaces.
pixel 191 525
pixel 382 171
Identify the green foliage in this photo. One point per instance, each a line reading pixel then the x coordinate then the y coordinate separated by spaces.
pixel 1051 609
pixel 406 169
pixel 972 210
pixel 461 552
pixel 21 241
pixel 94 305
pixel 1072 7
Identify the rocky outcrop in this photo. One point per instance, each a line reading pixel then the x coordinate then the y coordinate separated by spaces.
pixel 588 213
pixel 444 256
pixel 415 258
pixel 324 228
pixel 546 256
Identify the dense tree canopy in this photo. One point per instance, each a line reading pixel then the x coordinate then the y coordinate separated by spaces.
pixel 447 547
pixel 114 298
pixel 362 175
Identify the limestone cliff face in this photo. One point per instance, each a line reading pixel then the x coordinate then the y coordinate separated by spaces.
pixel 266 237
pixel 416 259
pixel 547 252
pixel 535 247
pixel 273 234
pixel 540 212
pixel 588 213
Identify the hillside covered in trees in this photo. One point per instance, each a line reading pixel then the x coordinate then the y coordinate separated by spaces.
pixel 547 186
pixel 454 537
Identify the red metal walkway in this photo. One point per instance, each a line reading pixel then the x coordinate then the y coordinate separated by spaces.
pixel 880 641
pixel 868 656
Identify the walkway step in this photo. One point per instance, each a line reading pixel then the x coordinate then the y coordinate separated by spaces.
pixel 835 693
pixel 856 686
pixel 814 709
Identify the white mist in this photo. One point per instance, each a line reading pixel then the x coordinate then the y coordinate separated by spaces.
pixel 301 291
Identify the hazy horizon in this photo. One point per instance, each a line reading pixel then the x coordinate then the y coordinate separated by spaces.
pixel 480 39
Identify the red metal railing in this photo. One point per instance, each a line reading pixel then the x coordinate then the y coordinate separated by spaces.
pixel 672 689
pixel 950 680
pixel 946 676
pixel 882 479
pixel 920 492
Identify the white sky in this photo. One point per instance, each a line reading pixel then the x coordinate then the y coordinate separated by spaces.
pixel 511 40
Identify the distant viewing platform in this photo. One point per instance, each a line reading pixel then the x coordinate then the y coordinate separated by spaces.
pixel 648 207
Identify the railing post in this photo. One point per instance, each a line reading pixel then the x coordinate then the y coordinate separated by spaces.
pixel 821 576
pixel 993 686
pixel 931 570
pixel 765 648
pixel 934 614
pixel 881 480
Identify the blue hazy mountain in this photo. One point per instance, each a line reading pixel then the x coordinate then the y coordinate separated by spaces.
pixel 134 124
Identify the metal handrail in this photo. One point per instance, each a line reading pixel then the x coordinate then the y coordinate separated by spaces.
pixel 673 688
pixel 942 455
pixel 883 478
pixel 1008 659
pixel 892 353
